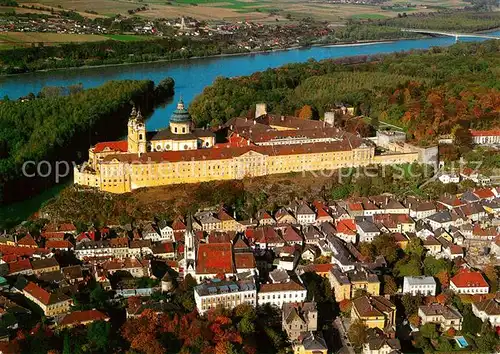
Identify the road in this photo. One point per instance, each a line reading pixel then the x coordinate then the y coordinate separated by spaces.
pixel 339 325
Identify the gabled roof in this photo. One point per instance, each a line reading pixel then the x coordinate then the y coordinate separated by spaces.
pixel 491 307
pixel 215 258
pixel 276 287
pixel 27 240
pixel 244 260
pixel 44 263
pixel 346 227
pixel 370 306
pixel 82 317
pixel 305 209
pixel 19 266
pixel 290 234
pixel 118 146
pixel 58 244
pixel 43 295
pixel 466 278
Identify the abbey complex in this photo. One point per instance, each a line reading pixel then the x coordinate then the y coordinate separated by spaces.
pixel 242 147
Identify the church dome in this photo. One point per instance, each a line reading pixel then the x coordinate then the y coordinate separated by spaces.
pixel 180 115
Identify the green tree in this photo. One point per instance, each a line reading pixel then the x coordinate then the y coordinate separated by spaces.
pixel 389 286
pixel 429 330
pixel 411 303
pixel 471 324
pixel 444 345
pixel 357 333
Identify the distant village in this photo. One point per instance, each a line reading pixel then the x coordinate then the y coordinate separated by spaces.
pixel 263 260
pixel 247 35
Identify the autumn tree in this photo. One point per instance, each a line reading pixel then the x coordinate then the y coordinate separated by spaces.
pixel 411 303
pixel 306 112
pixel 389 286
pixel 357 333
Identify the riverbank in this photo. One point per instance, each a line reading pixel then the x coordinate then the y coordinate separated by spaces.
pixel 254 52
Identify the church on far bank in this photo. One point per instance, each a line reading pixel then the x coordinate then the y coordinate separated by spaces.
pixel 267 144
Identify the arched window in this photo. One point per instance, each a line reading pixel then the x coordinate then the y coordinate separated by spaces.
pixel 183 129
pixel 175 129
pixel 207 143
pixel 140 136
pixel 167 147
pixel 185 147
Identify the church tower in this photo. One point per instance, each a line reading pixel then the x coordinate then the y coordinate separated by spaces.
pixel 136 137
pixel 190 246
pixel 180 121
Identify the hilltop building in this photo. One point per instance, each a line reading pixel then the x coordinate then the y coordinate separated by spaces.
pixel 252 147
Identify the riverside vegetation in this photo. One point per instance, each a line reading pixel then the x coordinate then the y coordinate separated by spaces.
pixel 28 59
pixel 61 123
pixel 428 93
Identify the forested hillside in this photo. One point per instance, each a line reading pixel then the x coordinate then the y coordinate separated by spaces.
pixel 62 128
pixel 428 93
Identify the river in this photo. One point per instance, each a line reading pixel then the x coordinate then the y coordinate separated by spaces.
pixel 191 77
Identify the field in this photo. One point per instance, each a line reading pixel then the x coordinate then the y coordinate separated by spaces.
pixel 251 10
pixel 13 39
pixel 21 39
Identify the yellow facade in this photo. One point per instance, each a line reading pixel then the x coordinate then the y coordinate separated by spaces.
pixel 121 177
pixel 121 172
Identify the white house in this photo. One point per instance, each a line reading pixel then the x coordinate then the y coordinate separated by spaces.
pixel 444 315
pixel 227 294
pixel 485 136
pixel 446 178
pixel 279 293
pixel 488 310
pixel 166 231
pixel 419 285
pixel 305 215
pixel 367 231
pixel 467 281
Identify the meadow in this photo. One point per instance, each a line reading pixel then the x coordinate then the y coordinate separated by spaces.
pixel 251 10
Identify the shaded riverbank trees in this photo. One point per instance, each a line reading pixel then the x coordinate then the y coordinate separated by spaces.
pixel 61 128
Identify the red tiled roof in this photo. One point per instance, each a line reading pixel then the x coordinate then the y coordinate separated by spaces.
pixel 224 216
pixel 27 240
pixel 224 152
pixel 53 235
pixel 320 268
pixel 37 292
pixel 82 317
pixel 214 258
pixel 67 227
pixel 468 279
pixel 267 234
pixel 19 266
pixel 60 244
pixel 346 226
pixel 120 242
pixel 119 146
pixel 355 206
pixel 492 132
pixel 20 251
pixel 322 213
pixel 221 236
pixel 484 193
pixel 244 260
pixel 291 235
pixel 178 225
pixel 250 233
pixel 456 249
